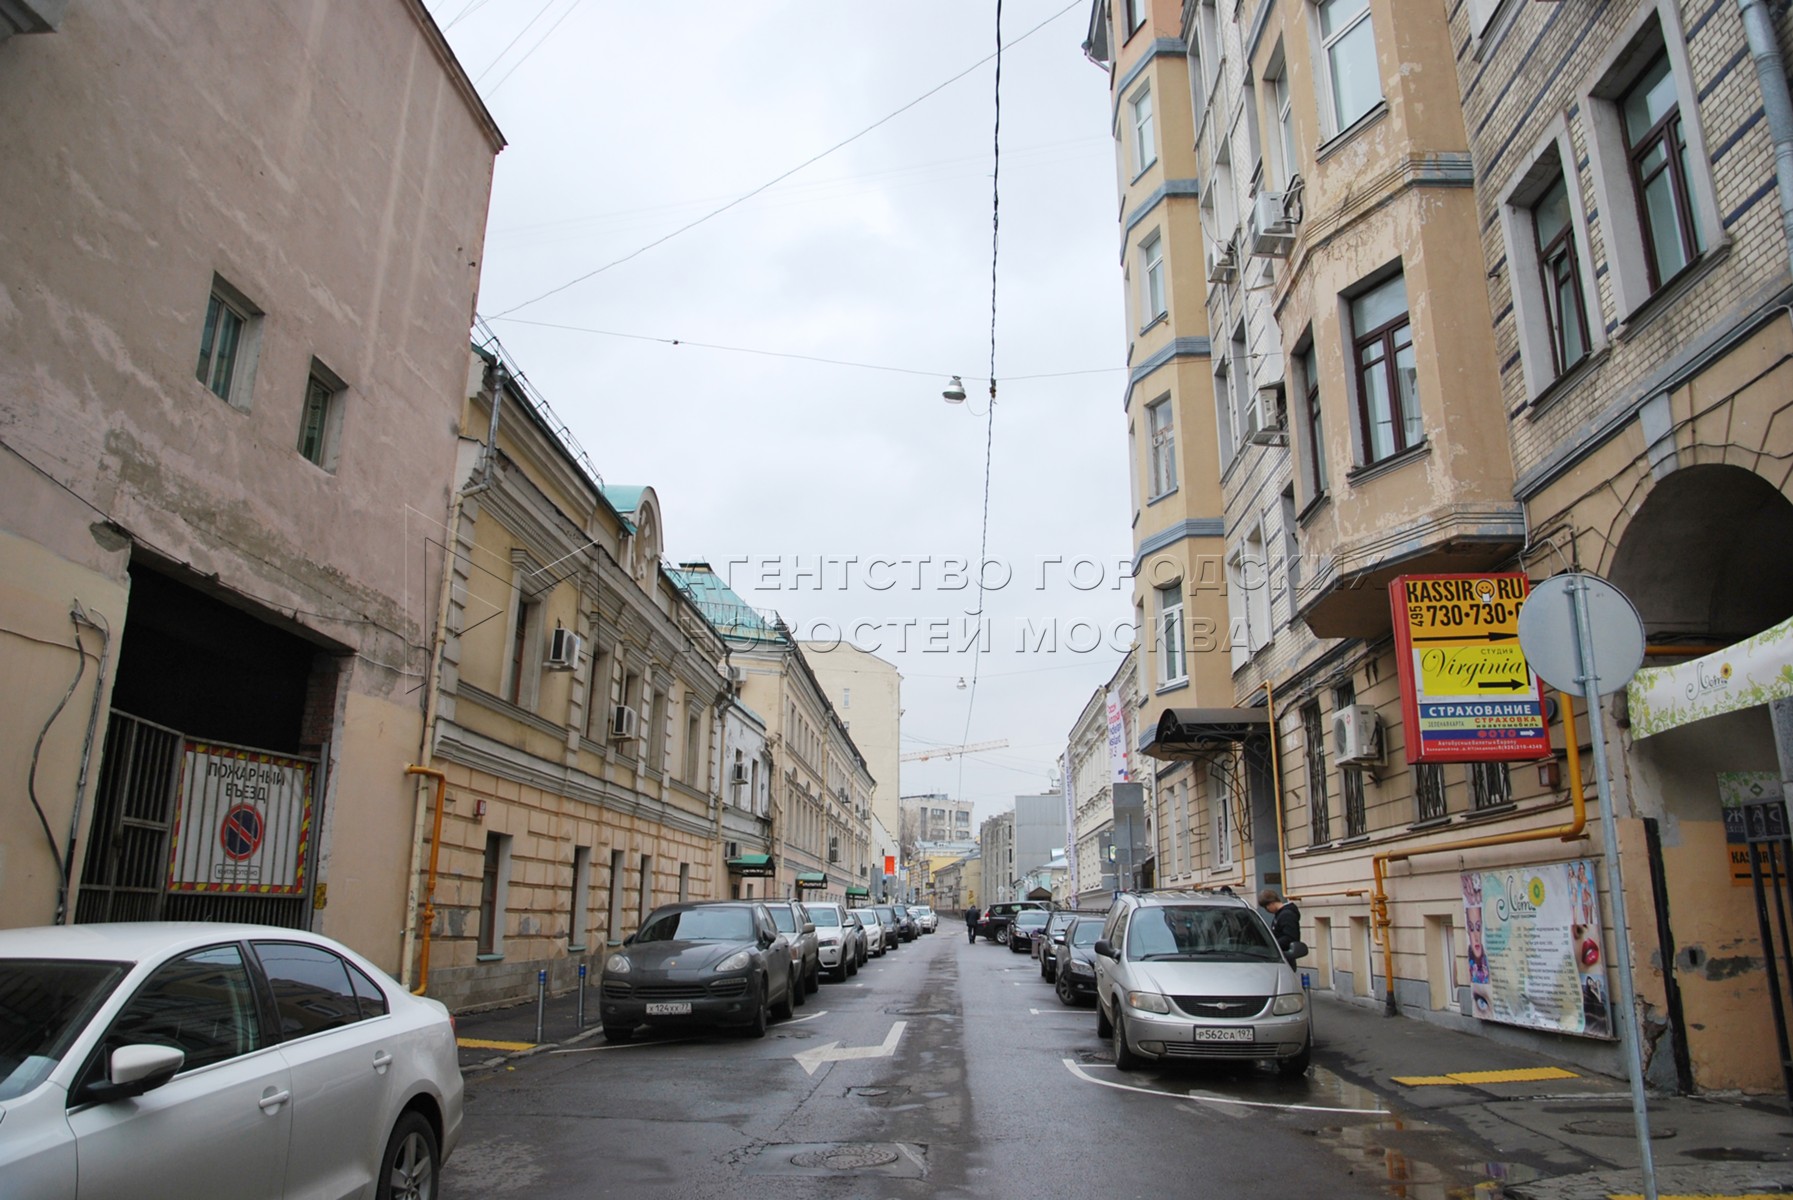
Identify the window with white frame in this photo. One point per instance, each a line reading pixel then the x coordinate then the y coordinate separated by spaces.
pixel 320 418
pixel 1245 413
pixel 1162 427
pixel 1135 14
pixel 227 344
pixel 1220 799
pixel 1352 84
pixel 1282 105
pixel 1647 157
pixel 1559 272
pixel 1223 410
pixel 1151 258
pixel 1207 27
pixel 1313 426
pixel 1173 661
pixel 1145 145
pixel 1387 375
pixel 1555 300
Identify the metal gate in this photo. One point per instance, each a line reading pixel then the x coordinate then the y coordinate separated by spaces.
pixel 125 871
pixel 1770 844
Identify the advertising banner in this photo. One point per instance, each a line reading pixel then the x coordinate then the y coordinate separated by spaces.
pixel 1536 953
pixel 242 824
pixel 1467 694
pixel 1064 770
pixel 1754 671
pixel 1117 740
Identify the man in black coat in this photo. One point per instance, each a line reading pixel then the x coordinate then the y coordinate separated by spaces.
pixel 1285 918
pixel 971 919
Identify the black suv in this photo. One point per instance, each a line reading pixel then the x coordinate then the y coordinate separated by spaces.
pixel 994 924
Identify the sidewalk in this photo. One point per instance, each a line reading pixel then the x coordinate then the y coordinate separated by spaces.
pixel 1560 1132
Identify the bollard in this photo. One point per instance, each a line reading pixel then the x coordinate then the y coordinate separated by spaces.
pixel 581 1009
pixel 541 1002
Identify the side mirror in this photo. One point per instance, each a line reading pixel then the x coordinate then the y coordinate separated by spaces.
pixel 134 1070
pixel 1296 950
pixel 1105 948
pixel 809 928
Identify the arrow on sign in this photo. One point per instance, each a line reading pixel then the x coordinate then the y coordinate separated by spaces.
pixel 835 1052
pixel 1503 685
pixel 1469 637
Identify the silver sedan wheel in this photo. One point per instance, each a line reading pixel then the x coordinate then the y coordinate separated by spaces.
pixel 411 1174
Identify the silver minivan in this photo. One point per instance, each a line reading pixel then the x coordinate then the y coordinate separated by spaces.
pixel 1197 975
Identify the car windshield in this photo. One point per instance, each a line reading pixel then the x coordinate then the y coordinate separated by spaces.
pixel 1061 921
pixel 1033 918
pixel 43 1006
pixel 700 925
pixel 1191 932
pixel 781 917
pixel 888 915
pixel 1085 933
pixel 824 917
pixel 867 916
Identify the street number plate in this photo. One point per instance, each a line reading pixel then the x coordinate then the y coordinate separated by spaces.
pixel 669 1010
pixel 1242 1034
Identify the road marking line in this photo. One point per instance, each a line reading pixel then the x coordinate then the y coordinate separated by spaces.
pixel 1204 1098
pixel 1524 1075
pixel 485 1044
pixel 800 1020
pixel 622 1046
pixel 811 1060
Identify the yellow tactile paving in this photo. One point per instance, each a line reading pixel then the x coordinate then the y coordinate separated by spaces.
pixel 484 1044
pixel 1524 1075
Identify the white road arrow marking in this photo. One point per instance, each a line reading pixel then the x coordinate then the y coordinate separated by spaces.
pixel 835 1052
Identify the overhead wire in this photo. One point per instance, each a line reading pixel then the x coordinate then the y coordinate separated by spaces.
pixel 507 46
pixel 538 45
pixel 690 225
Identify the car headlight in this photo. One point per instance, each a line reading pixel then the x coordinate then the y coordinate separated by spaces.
pixel 617 964
pixel 1150 1002
pixel 1288 1004
pixel 1078 967
pixel 735 962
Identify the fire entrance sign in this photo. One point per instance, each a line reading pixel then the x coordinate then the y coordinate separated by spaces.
pixel 1467 693
pixel 243 822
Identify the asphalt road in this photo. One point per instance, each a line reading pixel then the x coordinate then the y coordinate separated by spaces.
pixel 971 1080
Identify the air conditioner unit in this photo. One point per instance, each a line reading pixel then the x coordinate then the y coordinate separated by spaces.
pixel 1357 735
pixel 622 723
pixel 1272 233
pixel 1267 418
pixel 731 849
pixel 737 675
pixel 739 775
pixel 563 649
pixel 1223 264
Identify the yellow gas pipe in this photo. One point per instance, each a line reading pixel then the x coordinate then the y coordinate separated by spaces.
pixel 429 887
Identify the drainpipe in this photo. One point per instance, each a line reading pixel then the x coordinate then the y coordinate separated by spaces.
pixel 1567 833
pixel 80 615
pixel 429 893
pixel 1777 104
pixel 1282 849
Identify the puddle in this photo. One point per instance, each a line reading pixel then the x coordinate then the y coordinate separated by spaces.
pixel 1734 1154
pixel 1418 1161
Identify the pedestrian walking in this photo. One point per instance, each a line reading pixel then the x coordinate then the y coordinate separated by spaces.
pixel 1285 918
pixel 971 919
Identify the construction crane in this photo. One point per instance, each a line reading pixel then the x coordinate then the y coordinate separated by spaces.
pixel 949 751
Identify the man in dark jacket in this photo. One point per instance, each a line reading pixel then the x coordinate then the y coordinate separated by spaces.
pixel 971 919
pixel 1285 918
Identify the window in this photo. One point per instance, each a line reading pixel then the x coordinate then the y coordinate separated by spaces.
pixel 1658 157
pixel 1245 412
pixel 311 986
pixel 684 882
pixel 613 928
pixel 201 1004
pixel 1160 423
pixel 1428 791
pixel 1489 786
pixel 519 659
pixel 693 741
pixel 1351 778
pixel 1173 662
pixel 494 884
pixel 320 421
pixel 597 694
pixel 1220 797
pixel 1136 14
pixel 645 900
pixel 1353 86
pixel 226 344
pixel 580 900
pixel 1313 424
pixel 1288 165
pixel 1319 811
pixel 1553 233
pixel 846 698
pixel 1145 146
pixel 1387 388
pixel 1151 253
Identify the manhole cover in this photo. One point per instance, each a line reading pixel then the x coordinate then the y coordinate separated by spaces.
pixel 1601 1127
pixel 846 1158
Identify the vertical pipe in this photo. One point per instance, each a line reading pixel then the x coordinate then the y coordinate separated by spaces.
pixel 1282 850
pixel 1777 103
pixel 429 893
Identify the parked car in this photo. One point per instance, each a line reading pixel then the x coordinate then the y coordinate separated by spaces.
pixel 136 1053
pixel 837 938
pixel 1057 922
pixel 792 919
pixel 879 937
pixel 1074 960
pixel 1198 975
pixel 926 919
pixel 909 923
pixel 1024 926
pixel 994 923
pixel 900 925
pixel 712 962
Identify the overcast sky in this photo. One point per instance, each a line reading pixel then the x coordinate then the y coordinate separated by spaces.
pixel 627 121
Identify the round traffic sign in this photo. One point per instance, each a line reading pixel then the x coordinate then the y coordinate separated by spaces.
pixel 241 832
pixel 1547 633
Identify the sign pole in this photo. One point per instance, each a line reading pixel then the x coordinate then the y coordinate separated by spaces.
pixel 1589 681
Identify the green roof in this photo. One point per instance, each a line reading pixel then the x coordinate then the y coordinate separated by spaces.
pixel 856 890
pixel 812 879
pixel 750 864
pixel 731 616
pixel 625 498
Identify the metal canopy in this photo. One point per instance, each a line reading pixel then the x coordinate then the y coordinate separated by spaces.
pixel 1189 733
pixel 750 864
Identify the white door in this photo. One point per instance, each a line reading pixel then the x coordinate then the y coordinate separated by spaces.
pixel 219 1128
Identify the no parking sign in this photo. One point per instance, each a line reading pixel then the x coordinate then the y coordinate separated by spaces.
pixel 243 823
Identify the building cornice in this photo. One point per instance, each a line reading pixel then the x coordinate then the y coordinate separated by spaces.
pixel 1191 188
pixel 1158 49
pixel 1183 347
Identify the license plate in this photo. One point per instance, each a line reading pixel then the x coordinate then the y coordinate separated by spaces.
pixel 681 1009
pixel 1244 1034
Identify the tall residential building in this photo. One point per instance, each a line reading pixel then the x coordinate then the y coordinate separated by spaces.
pixel 237 269
pixel 996 858
pixel 933 821
pixel 867 692
pixel 1039 833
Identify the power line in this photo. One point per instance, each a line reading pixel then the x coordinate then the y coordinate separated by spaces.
pixel 507 48
pixel 778 178
pixel 538 45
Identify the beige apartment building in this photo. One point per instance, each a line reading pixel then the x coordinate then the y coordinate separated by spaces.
pixel 577 718
pixel 867 692
pixel 237 267
pixel 1438 350
pixel 820 786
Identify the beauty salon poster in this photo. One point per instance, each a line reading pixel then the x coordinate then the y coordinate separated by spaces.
pixel 1537 956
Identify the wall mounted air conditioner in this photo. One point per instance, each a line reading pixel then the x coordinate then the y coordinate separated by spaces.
pixel 623 721
pixel 1267 417
pixel 739 775
pixel 1272 233
pixel 564 647
pixel 1357 736
pixel 737 675
pixel 1223 264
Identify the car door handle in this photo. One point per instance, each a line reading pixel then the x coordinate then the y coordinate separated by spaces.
pixel 382 1060
pixel 273 1100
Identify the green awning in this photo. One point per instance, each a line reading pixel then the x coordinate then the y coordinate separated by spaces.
pixel 856 890
pixel 750 864
pixel 812 880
